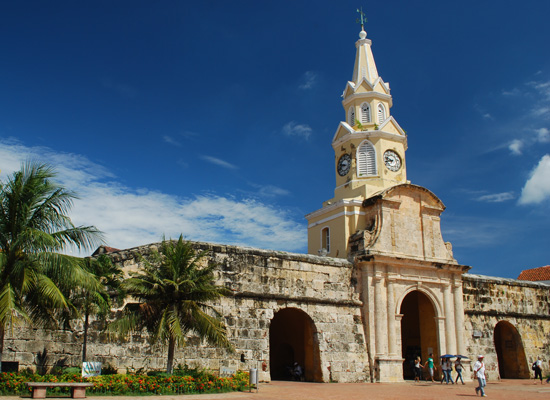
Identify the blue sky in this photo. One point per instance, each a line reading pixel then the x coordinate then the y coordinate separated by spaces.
pixel 214 119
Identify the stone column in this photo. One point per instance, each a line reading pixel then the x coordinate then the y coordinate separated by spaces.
pixel 380 318
pixel 392 342
pixel 450 331
pixel 459 317
pixel 440 323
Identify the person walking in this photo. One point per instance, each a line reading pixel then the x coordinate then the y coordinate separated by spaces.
pixel 445 365
pixel 430 364
pixel 458 369
pixel 479 371
pixel 417 369
pixel 537 367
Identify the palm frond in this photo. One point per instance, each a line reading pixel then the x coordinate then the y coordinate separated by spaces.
pixel 175 289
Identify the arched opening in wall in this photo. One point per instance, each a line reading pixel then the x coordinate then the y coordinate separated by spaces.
pixel 418 331
pixel 293 338
pixel 512 363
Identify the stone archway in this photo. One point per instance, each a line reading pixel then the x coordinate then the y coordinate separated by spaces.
pixel 512 363
pixel 419 335
pixel 293 338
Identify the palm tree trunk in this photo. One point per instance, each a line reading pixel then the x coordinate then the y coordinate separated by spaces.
pixel 85 337
pixel 2 330
pixel 171 348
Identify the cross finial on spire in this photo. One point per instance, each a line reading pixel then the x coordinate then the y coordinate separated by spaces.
pixel 363 19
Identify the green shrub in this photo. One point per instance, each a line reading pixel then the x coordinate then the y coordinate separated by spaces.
pixel 112 385
pixel 108 369
pixel 71 371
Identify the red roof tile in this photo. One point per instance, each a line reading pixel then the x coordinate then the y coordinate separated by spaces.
pixel 535 274
pixel 104 250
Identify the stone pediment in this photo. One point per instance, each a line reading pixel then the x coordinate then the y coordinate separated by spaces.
pixel 403 221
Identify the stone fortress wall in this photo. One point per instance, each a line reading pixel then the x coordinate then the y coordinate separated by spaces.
pixel 508 321
pixel 315 295
pixel 317 290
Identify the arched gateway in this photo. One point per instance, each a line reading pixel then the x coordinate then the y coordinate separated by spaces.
pixel 418 330
pixel 512 363
pixel 293 338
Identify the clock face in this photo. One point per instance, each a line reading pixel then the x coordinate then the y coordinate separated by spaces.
pixel 344 164
pixel 392 160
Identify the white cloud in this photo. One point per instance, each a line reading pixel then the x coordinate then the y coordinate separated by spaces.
pixel 543 88
pixel 293 129
pixel 541 111
pixel 271 190
pixel 131 217
pixel 513 92
pixel 537 187
pixel 171 140
pixel 219 162
pixel 310 79
pixel 474 232
pixel 484 114
pixel 515 146
pixel 496 197
pixel 122 89
pixel 543 135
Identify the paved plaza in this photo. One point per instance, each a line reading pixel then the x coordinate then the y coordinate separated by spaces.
pixel 281 390
pixel 512 389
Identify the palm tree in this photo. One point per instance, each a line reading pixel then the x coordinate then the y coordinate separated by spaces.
pixel 96 301
pixel 173 291
pixel 34 229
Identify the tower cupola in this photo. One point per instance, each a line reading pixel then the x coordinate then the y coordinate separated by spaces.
pixel 369 148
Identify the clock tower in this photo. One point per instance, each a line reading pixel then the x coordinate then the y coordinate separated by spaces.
pixel 369 149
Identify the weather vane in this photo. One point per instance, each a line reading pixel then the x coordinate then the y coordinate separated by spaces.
pixel 363 19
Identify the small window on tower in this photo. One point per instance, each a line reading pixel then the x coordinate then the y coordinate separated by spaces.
pixel 351 116
pixel 365 113
pixel 325 239
pixel 366 160
pixel 381 113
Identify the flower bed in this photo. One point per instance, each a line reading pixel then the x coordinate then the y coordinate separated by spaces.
pixel 112 385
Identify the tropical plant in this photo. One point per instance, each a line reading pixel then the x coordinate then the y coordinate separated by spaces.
pixel 173 293
pixel 96 301
pixel 34 230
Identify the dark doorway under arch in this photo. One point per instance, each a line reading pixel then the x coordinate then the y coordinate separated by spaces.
pixel 512 363
pixel 418 331
pixel 293 338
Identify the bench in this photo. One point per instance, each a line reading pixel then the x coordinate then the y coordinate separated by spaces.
pixel 78 389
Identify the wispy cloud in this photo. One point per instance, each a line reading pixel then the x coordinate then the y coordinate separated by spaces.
pixel 474 232
pixel 512 92
pixel 542 111
pixel 270 190
pixel 496 197
pixel 309 80
pixel 124 90
pixel 543 135
pixel 300 130
pixel 484 114
pixel 543 88
pixel 515 146
pixel 133 216
pixel 219 162
pixel 171 140
pixel 537 187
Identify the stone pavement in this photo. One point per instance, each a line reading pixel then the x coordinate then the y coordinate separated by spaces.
pixel 512 389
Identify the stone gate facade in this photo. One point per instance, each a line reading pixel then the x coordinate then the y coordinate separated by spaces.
pixel 328 295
